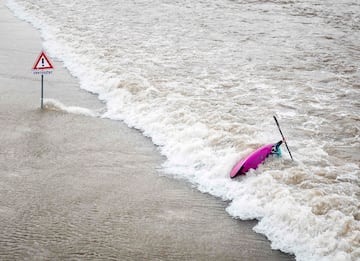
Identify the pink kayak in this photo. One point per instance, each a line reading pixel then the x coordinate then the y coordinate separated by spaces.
pixel 254 159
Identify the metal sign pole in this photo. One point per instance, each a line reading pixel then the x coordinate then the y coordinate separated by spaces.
pixel 42 91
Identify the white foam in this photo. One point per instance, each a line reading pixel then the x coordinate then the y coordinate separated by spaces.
pixel 52 104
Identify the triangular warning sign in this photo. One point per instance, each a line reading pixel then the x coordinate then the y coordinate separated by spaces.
pixel 42 63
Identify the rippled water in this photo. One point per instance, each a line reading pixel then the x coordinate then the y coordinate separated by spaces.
pixel 203 79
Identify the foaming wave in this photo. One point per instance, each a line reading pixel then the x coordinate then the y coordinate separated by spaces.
pixel 55 105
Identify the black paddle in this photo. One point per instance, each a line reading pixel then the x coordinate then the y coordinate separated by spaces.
pixel 277 123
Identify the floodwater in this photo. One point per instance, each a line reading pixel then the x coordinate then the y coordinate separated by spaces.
pixel 203 79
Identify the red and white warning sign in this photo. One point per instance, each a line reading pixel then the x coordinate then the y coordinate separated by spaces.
pixel 42 65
